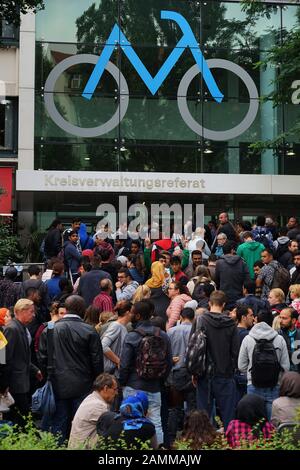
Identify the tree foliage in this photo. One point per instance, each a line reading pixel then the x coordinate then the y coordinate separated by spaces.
pixel 285 58
pixel 10 9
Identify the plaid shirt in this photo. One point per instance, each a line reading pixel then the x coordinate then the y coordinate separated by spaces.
pixel 238 431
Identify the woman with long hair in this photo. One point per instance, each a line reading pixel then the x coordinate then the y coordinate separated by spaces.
pixel 198 431
pixel 251 423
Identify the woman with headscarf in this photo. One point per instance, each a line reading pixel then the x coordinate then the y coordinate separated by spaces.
pixel 284 408
pixel 131 424
pixel 251 423
pixel 156 282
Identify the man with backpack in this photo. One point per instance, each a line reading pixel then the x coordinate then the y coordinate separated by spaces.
pixel 212 358
pixel 262 234
pixel 145 361
pixel 263 355
pixel 272 275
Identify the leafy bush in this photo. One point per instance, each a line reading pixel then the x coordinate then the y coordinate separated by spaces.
pixel 9 245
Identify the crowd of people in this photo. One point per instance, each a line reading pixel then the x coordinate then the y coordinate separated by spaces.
pixel 157 339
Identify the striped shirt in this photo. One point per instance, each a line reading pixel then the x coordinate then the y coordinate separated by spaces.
pixel 103 301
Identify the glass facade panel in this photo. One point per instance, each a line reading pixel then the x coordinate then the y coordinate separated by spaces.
pixel 154 115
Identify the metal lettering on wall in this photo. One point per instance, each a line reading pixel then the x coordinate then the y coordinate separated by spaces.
pixel 102 63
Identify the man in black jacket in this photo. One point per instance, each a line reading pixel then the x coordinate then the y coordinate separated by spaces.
pixel 78 360
pixel 129 377
pixel 223 349
pixel 231 274
pixel 19 368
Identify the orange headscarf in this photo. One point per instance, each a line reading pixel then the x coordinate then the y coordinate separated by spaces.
pixel 3 312
pixel 158 275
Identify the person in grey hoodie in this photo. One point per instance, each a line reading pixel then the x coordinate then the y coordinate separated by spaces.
pixel 263 330
pixel 231 274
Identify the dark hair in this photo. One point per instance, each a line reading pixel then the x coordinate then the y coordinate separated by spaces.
pixel 266 316
pixel 188 313
pixel 246 225
pixel 72 232
pixel 242 310
pixel 122 307
pixel 196 252
pixel 260 221
pixel 297 253
pixel 248 235
pixel 143 309
pixel 11 273
pixel 105 255
pixel 30 291
pixel 212 257
pixel 283 231
pixel 228 246
pixel 251 410
pixel 178 286
pixel 269 251
pixel 34 270
pixel 76 220
pixel 258 264
pixel 65 285
pixel 175 260
pixel 54 224
pixel 198 430
pixel 96 261
pixel 75 304
pixel 124 271
pixel 250 287
pixel 91 316
pixel 158 321
pixel 136 242
pixel 58 268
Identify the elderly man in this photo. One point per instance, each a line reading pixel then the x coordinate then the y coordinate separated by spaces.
pixel 18 359
pixel 83 431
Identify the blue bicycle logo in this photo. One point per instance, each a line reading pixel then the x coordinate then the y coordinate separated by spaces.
pixel 202 66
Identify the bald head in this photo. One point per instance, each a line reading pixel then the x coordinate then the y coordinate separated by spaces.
pixel 106 285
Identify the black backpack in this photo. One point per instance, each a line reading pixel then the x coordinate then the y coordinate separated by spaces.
pixel 152 355
pixel 281 278
pixel 281 249
pixel 265 365
pixel 197 358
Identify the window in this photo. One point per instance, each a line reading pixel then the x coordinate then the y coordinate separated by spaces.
pixel 8 124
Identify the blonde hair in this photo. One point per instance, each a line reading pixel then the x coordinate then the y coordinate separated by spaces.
pixel 142 292
pixel 278 293
pixel 295 289
pixel 22 304
pixel 276 323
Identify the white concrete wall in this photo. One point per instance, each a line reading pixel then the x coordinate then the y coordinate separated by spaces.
pixel 26 92
pixel 9 72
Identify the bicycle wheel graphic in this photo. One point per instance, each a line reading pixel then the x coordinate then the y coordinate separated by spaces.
pixel 85 131
pixel 198 128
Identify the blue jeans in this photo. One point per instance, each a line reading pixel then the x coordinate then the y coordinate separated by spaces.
pixel 223 391
pixel 153 410
pixel 268 394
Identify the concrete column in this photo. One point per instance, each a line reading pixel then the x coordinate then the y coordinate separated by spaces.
pixel 26 92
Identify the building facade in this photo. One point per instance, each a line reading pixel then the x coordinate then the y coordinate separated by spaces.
pixel 159 101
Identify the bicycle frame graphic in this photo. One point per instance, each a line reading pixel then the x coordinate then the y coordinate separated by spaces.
pixel 202 66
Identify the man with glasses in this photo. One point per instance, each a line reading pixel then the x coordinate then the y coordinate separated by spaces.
pixel 84 432
pixel 125 286
pixel 220 242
